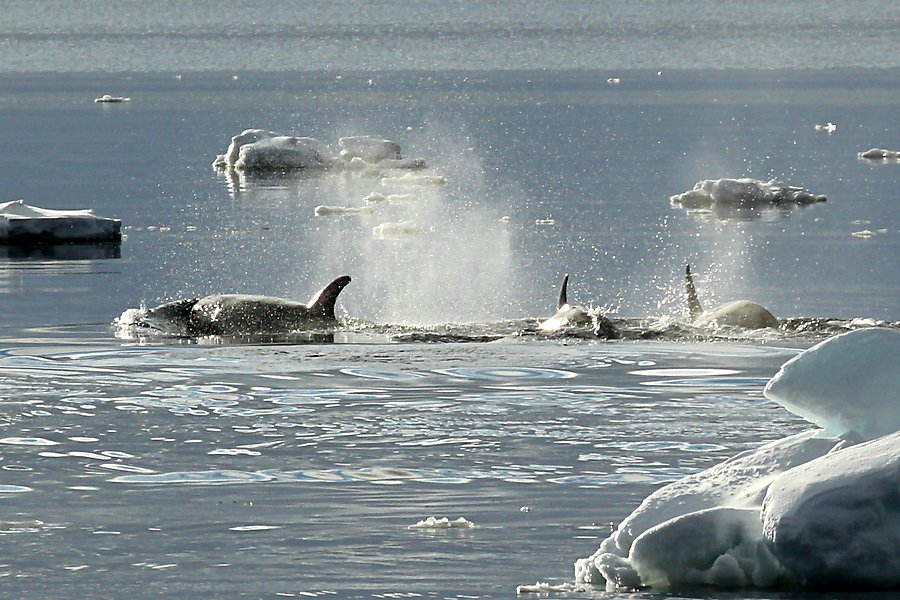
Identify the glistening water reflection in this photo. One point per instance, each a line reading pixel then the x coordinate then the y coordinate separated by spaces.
pixel 305 465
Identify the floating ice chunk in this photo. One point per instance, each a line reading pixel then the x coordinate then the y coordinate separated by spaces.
pixel 368 148
pixel 397 231
pixel 828 127
pixel 880 154
pixel 848 384
pixel 324 210
pixel 258 149
pixel 403 163
pixel 812 508
pixel 376 198
pixel 411 179
pixel 835 522
pixel 743 192
pixel 282 152
pixel 106 98
pixel 659 543
pixel 443 523
pixel 263 150
pixel 23 223
pixel 542 587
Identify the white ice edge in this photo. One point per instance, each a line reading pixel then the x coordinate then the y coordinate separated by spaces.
pixel 819 509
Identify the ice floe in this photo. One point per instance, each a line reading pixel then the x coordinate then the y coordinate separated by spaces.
pixel 819 509
pixel 880 154
pixel 26 224
pixel 263 150
pixel 443 523
pixel 377 198
pixel 748 193
pixel 108 99
pixel 323 210
pixel 397 231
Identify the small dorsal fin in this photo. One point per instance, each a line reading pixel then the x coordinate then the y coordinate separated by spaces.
pixel 322 303
pixel 563 300
pixel 694 308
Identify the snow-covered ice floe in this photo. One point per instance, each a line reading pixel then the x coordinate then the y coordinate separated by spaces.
pixel 23 223
pixel 819 509
pixel 742 193
pixel 376 198
pixel 108 99
pixel 443 523
pixel 262 150
pixel 880 154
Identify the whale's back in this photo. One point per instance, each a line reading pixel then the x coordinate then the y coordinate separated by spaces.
pixel 740 313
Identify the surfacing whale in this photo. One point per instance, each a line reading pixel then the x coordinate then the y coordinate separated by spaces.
pixel 244 314
pixel 742 314
pixel 568 315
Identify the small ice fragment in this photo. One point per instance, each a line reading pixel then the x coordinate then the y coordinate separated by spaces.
pixel 542 587
pixel 880 154
pixel 443 523
pixel 411 179
pixel 827 127
pixel 324 210
pixel 545 222
pixel 395 231
pixel 613 80
pixel 106 98
pixel 865 234
pixel 376 198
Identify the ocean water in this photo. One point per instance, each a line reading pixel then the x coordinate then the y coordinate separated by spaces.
pixel 134 463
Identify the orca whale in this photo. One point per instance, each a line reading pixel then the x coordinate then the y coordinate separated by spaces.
pixel 568 315
pixel 244 314
pixel 742 314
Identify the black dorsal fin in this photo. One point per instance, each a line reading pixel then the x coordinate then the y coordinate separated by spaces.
pixel 563 300
pixel 322 304
pixel 694 308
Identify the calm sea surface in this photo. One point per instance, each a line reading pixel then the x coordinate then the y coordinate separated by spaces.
pixel 138 465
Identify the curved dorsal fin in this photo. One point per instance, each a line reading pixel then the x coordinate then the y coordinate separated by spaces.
pixel 322 303
pixel 694 308
pixel 563 300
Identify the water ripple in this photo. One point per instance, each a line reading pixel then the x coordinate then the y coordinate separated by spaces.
pixel 506 373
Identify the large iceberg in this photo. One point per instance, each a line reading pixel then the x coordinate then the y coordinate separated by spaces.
pixel 819 509
pixel 22 223
pixel 744 193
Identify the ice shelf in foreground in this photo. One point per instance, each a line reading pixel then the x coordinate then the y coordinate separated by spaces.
pixel 745 192
pixel 21 223
pixel 816 509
